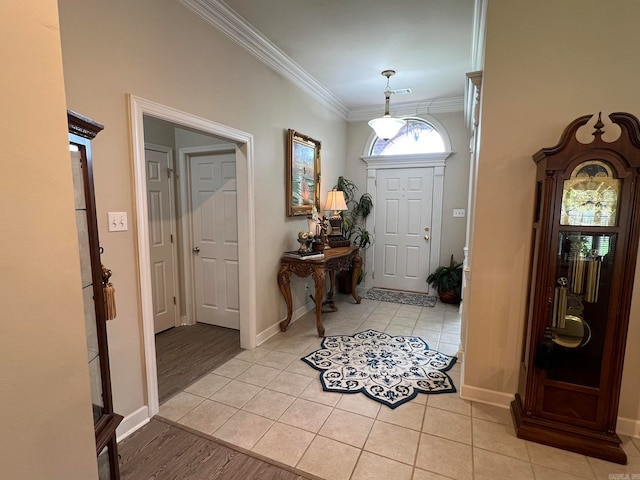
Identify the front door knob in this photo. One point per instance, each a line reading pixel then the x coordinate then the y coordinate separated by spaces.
pixel 196 249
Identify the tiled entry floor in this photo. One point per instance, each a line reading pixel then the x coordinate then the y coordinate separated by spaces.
pixel 269 402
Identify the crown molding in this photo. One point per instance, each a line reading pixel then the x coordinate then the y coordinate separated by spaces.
pixel 219 15
pixel 408 109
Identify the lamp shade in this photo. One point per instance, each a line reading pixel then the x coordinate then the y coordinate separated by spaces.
pixel 335 201
pixel 386 127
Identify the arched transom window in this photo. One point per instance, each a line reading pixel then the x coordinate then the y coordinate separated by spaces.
pixel 416 136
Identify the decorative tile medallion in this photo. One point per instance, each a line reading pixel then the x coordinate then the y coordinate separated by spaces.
pixel 387 368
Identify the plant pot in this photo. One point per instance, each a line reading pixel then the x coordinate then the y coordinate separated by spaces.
pixel 448 296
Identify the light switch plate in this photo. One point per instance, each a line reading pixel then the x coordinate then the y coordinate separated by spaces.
pixel 458 212
pixel 118 222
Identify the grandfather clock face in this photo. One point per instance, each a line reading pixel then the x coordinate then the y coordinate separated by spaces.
pixel 590 195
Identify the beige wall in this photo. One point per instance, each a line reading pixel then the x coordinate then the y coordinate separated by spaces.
pixel 46 422
pixel 547 62
pixel 157 50
pixel 456 175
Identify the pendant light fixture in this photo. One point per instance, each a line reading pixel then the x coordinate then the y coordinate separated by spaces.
pixel 386 127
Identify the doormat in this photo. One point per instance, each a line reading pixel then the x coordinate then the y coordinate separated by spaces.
pixel 387 368
pixel 396 296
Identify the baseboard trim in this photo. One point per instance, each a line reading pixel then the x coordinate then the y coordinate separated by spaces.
pixel 275 328
pixel 628 427
pixel 625 426
pixel 132 422
pixel 489 397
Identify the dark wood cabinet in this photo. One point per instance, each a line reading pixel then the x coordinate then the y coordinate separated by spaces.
pixel 585 240
pixel 81 131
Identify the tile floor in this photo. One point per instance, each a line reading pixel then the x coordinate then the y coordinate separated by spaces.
pixel 268 401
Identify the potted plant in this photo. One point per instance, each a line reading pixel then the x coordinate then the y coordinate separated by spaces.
pixel 353 219
pixel 447 281
pixel 353 229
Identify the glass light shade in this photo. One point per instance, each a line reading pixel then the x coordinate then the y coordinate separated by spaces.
pixel 335 201
pixel 386 127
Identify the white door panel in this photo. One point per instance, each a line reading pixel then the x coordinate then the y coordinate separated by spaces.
pixel 159 162
pixel 215 239
pixel 403 211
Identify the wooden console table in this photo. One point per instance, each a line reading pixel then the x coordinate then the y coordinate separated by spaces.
pixel 335 260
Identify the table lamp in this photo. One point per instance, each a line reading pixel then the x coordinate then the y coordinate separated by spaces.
pixel 336 203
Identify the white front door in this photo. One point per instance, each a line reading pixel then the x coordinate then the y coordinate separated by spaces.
pixel 215 238
pixel 160 201
pixel 403 214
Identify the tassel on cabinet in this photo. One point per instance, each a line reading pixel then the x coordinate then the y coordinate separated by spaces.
pixel 109 293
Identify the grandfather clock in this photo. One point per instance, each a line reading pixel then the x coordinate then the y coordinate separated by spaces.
pixel 585 240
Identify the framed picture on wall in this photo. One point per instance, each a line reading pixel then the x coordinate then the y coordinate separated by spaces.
pixel 303 173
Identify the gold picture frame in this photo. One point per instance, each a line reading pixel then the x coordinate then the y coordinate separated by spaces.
pixel 303 174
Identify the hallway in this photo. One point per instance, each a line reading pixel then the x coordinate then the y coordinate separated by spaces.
pixel 185 354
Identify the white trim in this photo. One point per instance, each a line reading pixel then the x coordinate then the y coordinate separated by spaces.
pixel 413 160
pixel 172 224
pixel 184 155
pixel 370 226
pixel 221 16
pixel 625 426
pixel 437 209
pixel 489 397
pixel 629 427
pixel 246 227
pixel 274 329
pixel 187 240
pixel 269 332
pixel 132 422
pixel 478 40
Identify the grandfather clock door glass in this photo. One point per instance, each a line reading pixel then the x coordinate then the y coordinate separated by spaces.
pixel 580 305
pixel 584 272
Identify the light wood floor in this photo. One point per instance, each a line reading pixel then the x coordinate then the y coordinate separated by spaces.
pixel 162 451
pixel 185 354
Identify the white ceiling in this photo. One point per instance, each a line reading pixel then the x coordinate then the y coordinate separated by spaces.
pixel 340 47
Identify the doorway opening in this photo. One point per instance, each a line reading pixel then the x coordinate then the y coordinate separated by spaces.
pixel 241 146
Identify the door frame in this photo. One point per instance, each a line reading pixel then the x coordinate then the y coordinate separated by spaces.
pixel 185 155
pixel 437 161
pixel 138 107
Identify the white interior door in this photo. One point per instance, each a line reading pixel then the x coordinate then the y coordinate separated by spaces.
pixel 160 201
pixel 403 215
pixel 215 238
